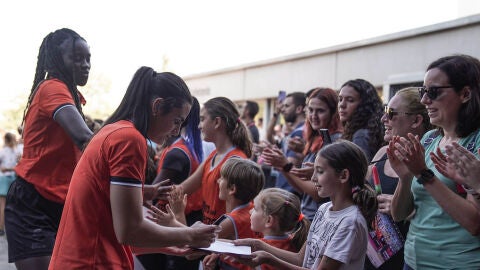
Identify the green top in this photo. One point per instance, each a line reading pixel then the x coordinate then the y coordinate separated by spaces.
pixel 435 240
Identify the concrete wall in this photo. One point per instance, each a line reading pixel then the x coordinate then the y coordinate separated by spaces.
pixel 386 60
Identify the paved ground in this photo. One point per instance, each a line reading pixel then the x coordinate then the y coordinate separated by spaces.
pixel 4 265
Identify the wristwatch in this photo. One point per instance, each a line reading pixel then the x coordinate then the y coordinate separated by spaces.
pixel 287 167
pixel 425 176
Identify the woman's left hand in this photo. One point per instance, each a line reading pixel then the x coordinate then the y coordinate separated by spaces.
pixel 274 157
pixel 305 173
pixel 296 144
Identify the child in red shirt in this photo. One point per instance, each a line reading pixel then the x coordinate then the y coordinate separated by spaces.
pixel 276 214
pixel 240 181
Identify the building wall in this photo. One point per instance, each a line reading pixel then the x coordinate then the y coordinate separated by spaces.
pixel 386 60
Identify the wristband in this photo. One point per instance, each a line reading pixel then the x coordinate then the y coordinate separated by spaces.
pixel 288 167
pixel 472 192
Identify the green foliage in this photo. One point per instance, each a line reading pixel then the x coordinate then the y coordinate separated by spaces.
pixel 101 102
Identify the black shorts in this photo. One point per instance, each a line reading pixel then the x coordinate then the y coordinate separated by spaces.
pixel 31 222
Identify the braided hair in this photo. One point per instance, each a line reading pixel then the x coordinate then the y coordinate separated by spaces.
pixel 50 64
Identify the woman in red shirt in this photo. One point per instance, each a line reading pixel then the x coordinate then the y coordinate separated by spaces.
pixel 103 216
pixel 54 135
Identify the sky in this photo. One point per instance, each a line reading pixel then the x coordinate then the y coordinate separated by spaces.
pixel 198 36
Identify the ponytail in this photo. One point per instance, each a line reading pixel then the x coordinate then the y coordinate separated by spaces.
pixel 366 200
pixel 236 130
pixel 241 138
pixel 299 236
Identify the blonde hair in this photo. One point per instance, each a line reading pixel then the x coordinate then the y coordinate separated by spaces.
pixel 285 206
pixel 411 99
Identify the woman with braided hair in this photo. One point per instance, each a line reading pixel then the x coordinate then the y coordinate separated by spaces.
pixel 54 135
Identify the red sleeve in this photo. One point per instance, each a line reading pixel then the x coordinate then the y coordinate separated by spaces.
pixel 52 94
pixel 127 154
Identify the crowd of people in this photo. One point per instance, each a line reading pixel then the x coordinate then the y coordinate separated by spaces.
pixel 165 176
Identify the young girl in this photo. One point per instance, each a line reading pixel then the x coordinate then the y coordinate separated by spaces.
pixel 338 235
pixel 241 180
pixel 103 216
pixel 276 214
pixel 360 110
pixel 220 124
pixel 54 134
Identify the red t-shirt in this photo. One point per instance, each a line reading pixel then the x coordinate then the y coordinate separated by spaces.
pixel 240 217
pixel 194 200
pixel 86 237
pixel 49 154
pixel 284 243
pixel 213 207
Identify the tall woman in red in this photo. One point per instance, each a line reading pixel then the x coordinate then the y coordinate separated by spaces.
pixel 220 124
pixel 54 134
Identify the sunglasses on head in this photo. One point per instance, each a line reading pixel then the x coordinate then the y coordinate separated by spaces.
pixel 391 113
pixel 432 91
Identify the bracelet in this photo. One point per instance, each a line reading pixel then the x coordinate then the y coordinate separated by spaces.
pixel 472 192
pixel 469 190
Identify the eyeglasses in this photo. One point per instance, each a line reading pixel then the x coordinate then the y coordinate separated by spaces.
pixel 432 91
pixel 391 113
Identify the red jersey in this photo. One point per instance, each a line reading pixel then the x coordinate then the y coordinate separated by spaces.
pixel 86 237
pixel 240 217
pixel 195 200
pixel 213 207
pixel 49 154
pixel 282 242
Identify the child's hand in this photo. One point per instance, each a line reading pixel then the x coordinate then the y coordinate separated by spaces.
pixel 255 244
pixel 177 200
pixel 210 261
pixel 160 217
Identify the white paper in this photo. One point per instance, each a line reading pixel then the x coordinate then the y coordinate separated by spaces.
pixel 227 247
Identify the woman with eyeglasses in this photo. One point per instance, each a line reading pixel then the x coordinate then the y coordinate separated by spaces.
pixel 404 114
pixel 444 229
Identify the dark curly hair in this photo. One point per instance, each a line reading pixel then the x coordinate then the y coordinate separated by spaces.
pixel 367 115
